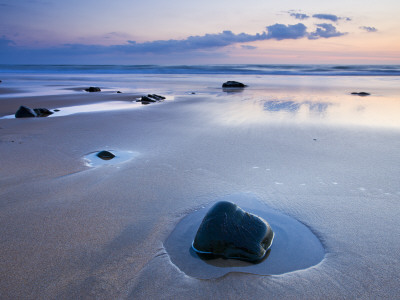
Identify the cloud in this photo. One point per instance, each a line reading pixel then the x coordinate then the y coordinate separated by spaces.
pixel 325 30
pixel 326 17
pixel 248 47
pixel 369 29
pixel 204 42
pixel 283 32
pixel 191 46
pixel 5 43
pixel 330 17
pixel 299 16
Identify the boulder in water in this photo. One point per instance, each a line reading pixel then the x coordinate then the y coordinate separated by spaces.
pixel 105 155
pixel 228 231
pixel 362 94
pixel 233 84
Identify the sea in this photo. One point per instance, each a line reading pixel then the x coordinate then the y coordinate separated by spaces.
pixel 321 93
pixel 232 69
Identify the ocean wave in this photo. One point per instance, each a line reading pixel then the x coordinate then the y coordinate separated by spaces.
pixel 253 69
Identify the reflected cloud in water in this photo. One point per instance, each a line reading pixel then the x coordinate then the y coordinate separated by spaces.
pixel 293 106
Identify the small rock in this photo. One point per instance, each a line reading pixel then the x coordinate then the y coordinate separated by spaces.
pixel 233 84
pixel 157 97
pixel 42 112
pixel 230 232
pixel 147 99
pixel 56 110
pixel 361 94
pixel 25 112
pixel 93 89
pixel 119 92
pixel 105 155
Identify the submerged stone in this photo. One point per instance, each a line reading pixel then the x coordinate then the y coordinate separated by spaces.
pixel 233 84
pixel 230 232
pixel 105 155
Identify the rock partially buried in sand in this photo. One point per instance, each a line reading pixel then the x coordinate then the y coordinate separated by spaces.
pixel 228 231
pixel 93 89
pixel 361 94
pixel 151 98
pixel 105 155
pixel 233 84
pixel 42 112
pixel 25 112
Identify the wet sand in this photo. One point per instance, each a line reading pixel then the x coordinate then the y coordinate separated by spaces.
pixel 69 230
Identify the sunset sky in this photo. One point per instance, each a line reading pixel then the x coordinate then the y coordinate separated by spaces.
pixel 199 32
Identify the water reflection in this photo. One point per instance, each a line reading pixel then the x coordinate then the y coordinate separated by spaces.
pixel 313 107
pixel 292 106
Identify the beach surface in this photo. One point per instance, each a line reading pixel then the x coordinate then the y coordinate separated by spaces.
pixel 303 146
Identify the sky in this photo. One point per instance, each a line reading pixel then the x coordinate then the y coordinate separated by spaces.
pixel 199 32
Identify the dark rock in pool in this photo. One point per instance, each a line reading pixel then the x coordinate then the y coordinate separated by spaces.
pixel 42 112
pixel 228 231
pixel 93 89
pixel 119 92
pixel 233 84
pixel 105 155
pixel 25 112
pixel 360 93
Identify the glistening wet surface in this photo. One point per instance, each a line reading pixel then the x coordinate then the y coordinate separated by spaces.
pixel 295 247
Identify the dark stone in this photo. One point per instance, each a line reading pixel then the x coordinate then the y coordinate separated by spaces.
pixel 233 84
pixel 228 231
pixel 56 110
pixel 25 112
pixel 147 99
pixel 93 89
pixel 119 92
pixel 361 94
pixel 42 112
pixel 105 155
pixel 156 97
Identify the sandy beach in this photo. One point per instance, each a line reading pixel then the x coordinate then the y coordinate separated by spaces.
pixel 317 154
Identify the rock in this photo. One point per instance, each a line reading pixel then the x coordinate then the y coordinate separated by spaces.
pixel 119 92
pixel 25 112
pixel 147 99
pixel 42 112
pixel 233 84
pixel 93 89
pixel 151 98
pixel 228 231
pixel 361 94
pixel 105 155
pixel 56 110
pixel 156 97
